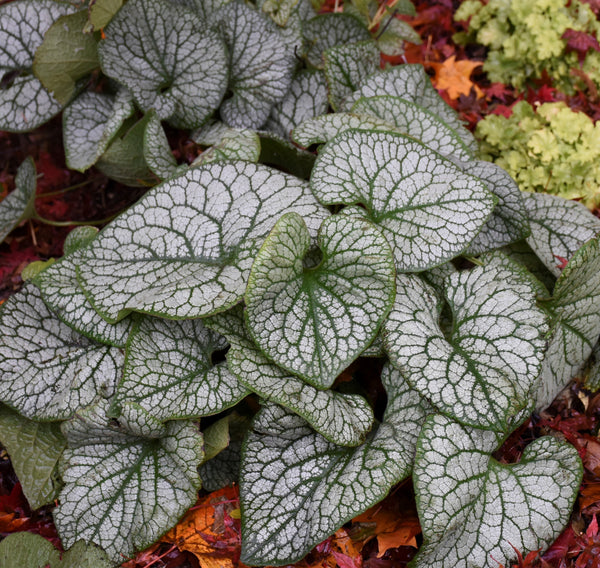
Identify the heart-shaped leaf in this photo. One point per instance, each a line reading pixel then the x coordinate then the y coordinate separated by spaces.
pixel 411 83
pixel 20 203
pixel 558 228
pixel 329 30
pixel 34 449
pixel 323 128
pixel 482 371
pixel 162 59
pixel 296 488
pixel 427 208
pixel 24 102
pixel 261 65
pixel 48 371
pixel 315 321
pixel 574 309
pixel 169 374
pixel 475 511
pixel 346 66
pixel 90 123
pixel 124 491
pixel 416 121
pixel 185 249
pixel 66 56
pixel 342 419
pixel 306 99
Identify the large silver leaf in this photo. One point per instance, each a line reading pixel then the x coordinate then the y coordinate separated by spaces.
pixel 48 371
pixel 427 208
pixel 341 418
pixel 296 488
pixel 185 249
pixel 315 321
pixel 123 491
pixel 24 103
pixel 20 203
pixel 482 370
pixel 475 511
pixel 169 60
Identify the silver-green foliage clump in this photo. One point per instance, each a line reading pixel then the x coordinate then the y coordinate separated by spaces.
pixel 263 271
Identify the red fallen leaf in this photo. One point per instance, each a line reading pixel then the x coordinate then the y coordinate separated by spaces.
pixel 545 94
pixel 589 494
pixel 594 5
pixel 561 546
pixel 498 91
pixel 580 42
pixel 50 176
pixel 562 261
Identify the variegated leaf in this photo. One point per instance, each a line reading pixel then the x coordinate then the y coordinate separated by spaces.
pixel 232 144
pixel 185 249
pixel 20 203
pixel 157 151
pixel 315 321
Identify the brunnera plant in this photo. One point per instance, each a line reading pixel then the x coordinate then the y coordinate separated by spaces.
pixel 299 242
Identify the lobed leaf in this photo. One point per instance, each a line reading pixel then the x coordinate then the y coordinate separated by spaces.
pixel 24 102
pixel 19 204
pixel 169 374
pixel 559 227
pixel 475 511
pixel 34 449
pixel 90 123
pixel 161 57
pixel 342 419
pixel 185 249
pixel 481 371
pixel 49 371
pixel 296 488
pixel 427 208
pixel 124 491
pixel 261 65
pixel 315 321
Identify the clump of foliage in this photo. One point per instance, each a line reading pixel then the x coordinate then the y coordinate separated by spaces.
pixel 549 148
pixel 526 40
pixel 263 271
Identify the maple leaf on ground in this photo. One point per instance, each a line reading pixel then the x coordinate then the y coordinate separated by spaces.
pixel 454 77
pixel 580 42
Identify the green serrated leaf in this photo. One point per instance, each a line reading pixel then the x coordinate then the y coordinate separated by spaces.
pixel 232 144
pixel 411 83
pixel 159 53
pixel 306 99
pixel 416 121
pixel 296 488
pixel 157 151
pixel 124 159
pixel 48 371
pixel 90 123
pixel 482 374
pixel 558 228
pixel 101 12
pixel 24 102
pixel 329 30
pixel 315 321
pixel 475 511
pixel 34 449
pixel 169 374
pixel 261 64
pixel 187 253
pixel 323 128
pixel 66 55
pixel 342 419
pixel 509 221
pixel 576 317
pixel 123 491
pixel 346 67
pixel 20 203
pixel 427 208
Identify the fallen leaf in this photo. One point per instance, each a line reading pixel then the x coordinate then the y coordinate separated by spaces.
pixel 580 42
pixel 454 77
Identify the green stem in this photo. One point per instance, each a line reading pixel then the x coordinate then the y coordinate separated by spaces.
pixel 36 217
pixel 66 189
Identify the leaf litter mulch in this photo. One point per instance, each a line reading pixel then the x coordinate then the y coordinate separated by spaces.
pixel 388 535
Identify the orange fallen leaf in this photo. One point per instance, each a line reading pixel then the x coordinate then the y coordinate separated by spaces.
pixel 210 532
pixel 454 77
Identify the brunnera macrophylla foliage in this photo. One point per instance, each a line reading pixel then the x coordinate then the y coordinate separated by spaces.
pixel 263 271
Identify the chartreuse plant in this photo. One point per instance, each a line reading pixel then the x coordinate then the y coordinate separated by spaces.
pixel 132 366
pixel 528 39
